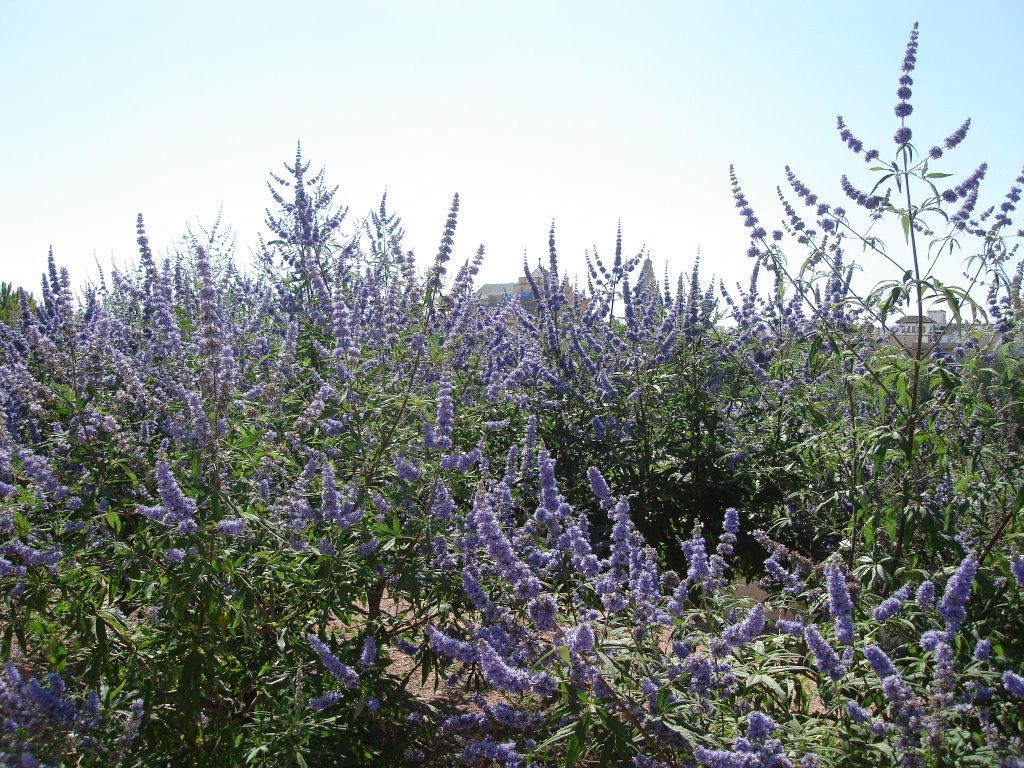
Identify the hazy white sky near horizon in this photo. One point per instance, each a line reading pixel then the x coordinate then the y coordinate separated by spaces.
pixel 585 113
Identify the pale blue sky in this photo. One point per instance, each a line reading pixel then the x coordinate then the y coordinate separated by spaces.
pixel 581 112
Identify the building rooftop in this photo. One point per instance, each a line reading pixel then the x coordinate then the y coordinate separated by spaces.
pixel 488 290
pixel 915 319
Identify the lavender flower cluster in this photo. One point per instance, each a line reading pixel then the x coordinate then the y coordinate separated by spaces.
pixel 211 483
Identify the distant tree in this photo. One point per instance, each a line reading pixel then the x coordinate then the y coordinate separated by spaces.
pixel 10 303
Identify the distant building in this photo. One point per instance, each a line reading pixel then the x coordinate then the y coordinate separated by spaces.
pixel 647 284
pixel 493 294
pixel 935 331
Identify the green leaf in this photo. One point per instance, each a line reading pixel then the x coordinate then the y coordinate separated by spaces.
pixel 767 682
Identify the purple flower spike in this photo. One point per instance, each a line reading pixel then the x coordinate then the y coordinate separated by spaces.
pixel 696 555
pixel 441 435
pixel 749 219
pixel 730 526
pixel 958 590
pixel 1017 569
pixel 891 605
pixel 446 646
pixel 231 526
pixel 580 639
pixel 903 109
pixel 958 135
pixel 340 672
pixel 760 727
pixel 925 597
pixel 1014 684
pixel 498 673
pixel 856 712
pixel 902 136
pixel 982 650
pixel 329 496
pixel 369 652
pixel 839 605
pixel 910 57
pixel 748 629
pixel 543 612
pixel 598 486
pixel 825 659
pixel 879 661
pixel 513 570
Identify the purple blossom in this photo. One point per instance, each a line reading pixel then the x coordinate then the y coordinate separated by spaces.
pixel 1017 569
pixel 598 486
pixel 231 526
pixel 892 604
pixel 448 647
pixel 477 597
pixel 787 627
pixel 1014 684
pixel 176 507
pixel 490 752
pixel 543 612
pixel 846 135
pixel 406 471
pixel 925 596
pixel 746 630
pixel 368 547
pixel 825 659
pixel 719 758
pixel 514 571
pixel 368 653
pixel 856 712
pixel 513 719
pixel 775 571
pixel 441 435
pixel 982 650
pixel 697 557
pixel 903 109
pixel 320 703
pixel 500 674
pixel 910 57
pixel 879 661
pixel 931 639
pixel 579 639
pixel 131 725
pixel 958 590
pixel 464 723
pixel 441 503
pixel 958 135
pixel 329 507
pixel 549 497
pixel 174 556
pixel 622 541
pixel 730 527
pixel 839 605
pixel 339 671
pixel 896 691
pixel 760 727
pixel 902 136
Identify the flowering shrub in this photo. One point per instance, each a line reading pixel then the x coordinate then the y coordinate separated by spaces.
pixel 340 512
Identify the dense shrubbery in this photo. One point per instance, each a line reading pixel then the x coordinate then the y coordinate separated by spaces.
pixel 339 513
